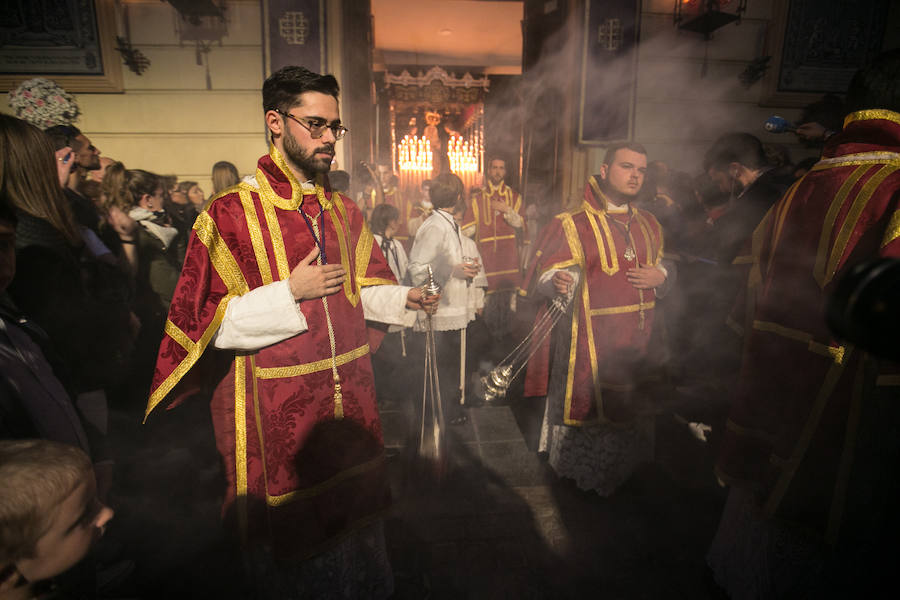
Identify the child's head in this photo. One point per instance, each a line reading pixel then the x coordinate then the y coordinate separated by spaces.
pixel 384 217
pixel 446 190
pixel 49 512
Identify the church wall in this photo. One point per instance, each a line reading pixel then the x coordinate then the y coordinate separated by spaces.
pixel 679 111
pixel 167 121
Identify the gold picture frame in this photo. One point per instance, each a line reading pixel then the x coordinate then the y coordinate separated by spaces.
pixel 110 80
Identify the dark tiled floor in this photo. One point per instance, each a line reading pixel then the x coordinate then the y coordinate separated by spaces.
pixel 499 525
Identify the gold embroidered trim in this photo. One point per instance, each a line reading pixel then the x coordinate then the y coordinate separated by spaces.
pixel 855 160
pixel 174 332
pixel 220 255
pixel 839 498
pixel 311 367
pixel 570 376
pixel 259 427
pixel 865 115
pixel 780 210
pixel 370 281
pixel 830 218
pixel 498 238
pixel 618 310
pixel 892 232
pixel 326 485
pixel 508 272
pixel 338 225
pixel 574 242
pixel 363 257
pixel 268 201
pixel 256 238
pixel 292 203
pixel 240 441
pixel 609 262
pixel 166 386
pixel 799 451
pixel 835 353
pixel 852 218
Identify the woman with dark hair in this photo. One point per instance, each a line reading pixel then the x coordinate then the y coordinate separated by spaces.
pixel 155 250
pixel 71 295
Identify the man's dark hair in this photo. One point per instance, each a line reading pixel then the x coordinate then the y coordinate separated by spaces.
pixel 877 85
pixel 282 89
pixel 64 135
pixel 381 216
pixel 741 148
pixel 500 158
pixel 446 190
pixel 339 180
pixel 611 151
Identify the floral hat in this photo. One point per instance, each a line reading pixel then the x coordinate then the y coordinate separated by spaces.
pixel 44 103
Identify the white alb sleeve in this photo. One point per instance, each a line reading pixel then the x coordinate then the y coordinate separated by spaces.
pixel 261 317
pixel 387 304
pixel 546 287
pixel 513 218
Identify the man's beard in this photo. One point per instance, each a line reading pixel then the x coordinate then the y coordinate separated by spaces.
pixel 617 196
pixel 91 166
pixel 307 163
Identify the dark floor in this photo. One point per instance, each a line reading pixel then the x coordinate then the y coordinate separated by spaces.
pixel 499 525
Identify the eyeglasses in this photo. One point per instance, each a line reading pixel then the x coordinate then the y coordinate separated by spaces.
pixel 316 126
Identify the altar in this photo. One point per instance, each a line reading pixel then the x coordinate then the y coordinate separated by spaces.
pixel 436 125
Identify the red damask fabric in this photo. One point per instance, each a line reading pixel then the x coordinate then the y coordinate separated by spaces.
pixel 303 463
pixel 607 313
pixel 497 239
pixel 794 421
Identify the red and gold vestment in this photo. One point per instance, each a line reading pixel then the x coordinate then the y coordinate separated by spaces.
pixel 496 238
pixel 295 422
pixel 611 320
pixel 793 428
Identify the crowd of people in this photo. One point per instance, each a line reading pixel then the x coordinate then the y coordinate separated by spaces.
pixel 299 310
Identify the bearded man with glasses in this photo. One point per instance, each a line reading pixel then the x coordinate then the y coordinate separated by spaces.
pixel 279 276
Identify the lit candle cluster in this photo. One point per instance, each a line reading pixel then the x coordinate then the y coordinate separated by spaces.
pixel 414 154
pixel 463 156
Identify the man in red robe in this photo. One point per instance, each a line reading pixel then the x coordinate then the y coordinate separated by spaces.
pixel 494 220
pixel 811 448
pixel 605 256
pixel 279 276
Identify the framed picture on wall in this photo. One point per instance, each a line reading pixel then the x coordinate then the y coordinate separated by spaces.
pixel 69 41
pixel 816 47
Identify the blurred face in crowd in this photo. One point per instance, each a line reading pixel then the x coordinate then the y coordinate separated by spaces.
pixel 196 195
pixel 391 228
pixel 86 155
pixel 97 175
pixel 7 253
pixel 309 156
pixel 384 175
pixel 625 176
pixel 497 171
pixel 77 523
pixel 725 179
pixel 154 202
